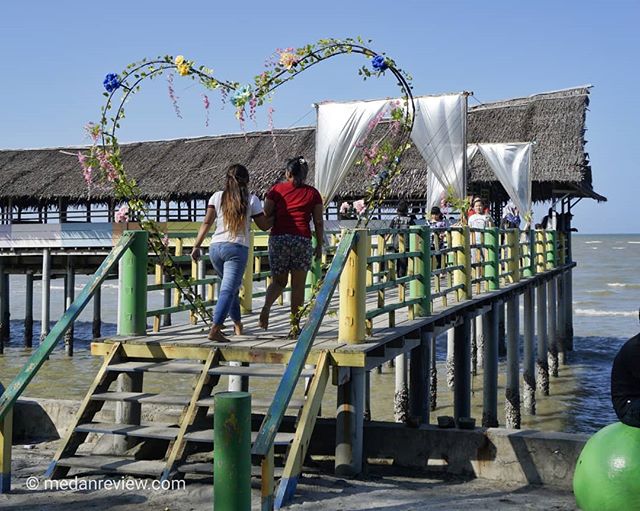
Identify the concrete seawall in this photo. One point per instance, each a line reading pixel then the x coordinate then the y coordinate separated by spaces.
pixel 516 456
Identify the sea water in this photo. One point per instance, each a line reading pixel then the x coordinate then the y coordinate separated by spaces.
pixel 606 298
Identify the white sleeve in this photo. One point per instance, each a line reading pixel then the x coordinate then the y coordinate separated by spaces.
pixel 255 206
pixel 212 200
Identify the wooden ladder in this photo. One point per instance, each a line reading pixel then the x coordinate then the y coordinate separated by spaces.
pixel 193 432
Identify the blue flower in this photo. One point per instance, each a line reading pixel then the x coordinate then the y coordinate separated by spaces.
pixel 240 98
pixel 111 82
pixel 379 63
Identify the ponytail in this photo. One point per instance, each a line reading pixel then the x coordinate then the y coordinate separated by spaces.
pixel 297 169
pixel 235 199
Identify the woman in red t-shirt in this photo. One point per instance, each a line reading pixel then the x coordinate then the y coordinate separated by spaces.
pixel 292 204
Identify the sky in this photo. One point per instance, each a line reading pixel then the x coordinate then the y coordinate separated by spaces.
pixel 56 55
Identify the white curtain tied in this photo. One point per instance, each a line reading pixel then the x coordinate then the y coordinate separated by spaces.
pixel 340 127
pixel 439 132
pixel 512 164
pixel 436 191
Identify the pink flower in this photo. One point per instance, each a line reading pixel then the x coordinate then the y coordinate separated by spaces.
pixel 165 240
pixel 106 165
pixel 93 130
pixel 345 207
pixel 288 59
pixel 122 215
pixel 205 101
pixel 359 206
pixel 87 170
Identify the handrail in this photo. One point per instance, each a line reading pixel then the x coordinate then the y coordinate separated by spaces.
pixel 39 356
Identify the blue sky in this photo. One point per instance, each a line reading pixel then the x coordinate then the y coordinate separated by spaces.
pixel 57 53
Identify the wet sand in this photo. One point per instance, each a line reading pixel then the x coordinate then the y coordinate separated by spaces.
pixel 383 488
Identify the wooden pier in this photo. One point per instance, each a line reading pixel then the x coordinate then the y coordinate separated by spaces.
pixel 371 318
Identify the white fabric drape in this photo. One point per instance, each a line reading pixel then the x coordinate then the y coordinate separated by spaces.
pixel 439 132
pixel 512 164
pixel 436 191
pixel 340 127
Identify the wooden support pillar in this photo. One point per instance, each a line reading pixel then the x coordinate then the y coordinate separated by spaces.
pixel 462 369
pixel 401 395
pixel 127 412
pixel 96 326
pixel 561 322
pixel 528 354
pixel 419 379
pixel 449 365
pixel 433 372
pixel 46 293
pixel 349 424
pixel 480 340
pixel 69 286
pixel 353 293
pixel 502 338
pixel 552 342
pixel 28 310
pixel 238 383
pixel 512 390
pixel 542 364
pixel 166 318
pixel 5 315
pixel 490 373
pixel 246 291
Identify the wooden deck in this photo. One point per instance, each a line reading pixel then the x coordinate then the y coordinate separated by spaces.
pixel 273 346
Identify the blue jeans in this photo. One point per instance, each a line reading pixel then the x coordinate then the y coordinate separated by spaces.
pixel 229 261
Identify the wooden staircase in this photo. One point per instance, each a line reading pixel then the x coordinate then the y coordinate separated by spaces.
pixel 171 450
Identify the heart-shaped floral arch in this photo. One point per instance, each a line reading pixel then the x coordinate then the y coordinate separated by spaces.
pixel 102 165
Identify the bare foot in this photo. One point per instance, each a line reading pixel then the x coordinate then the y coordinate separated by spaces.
pixel 263 320
pixel 238 328
pixel 216 335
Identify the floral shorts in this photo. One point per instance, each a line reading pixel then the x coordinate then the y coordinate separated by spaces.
pixel 288 252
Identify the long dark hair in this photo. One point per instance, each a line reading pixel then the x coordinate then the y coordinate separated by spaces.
pixel 235 199
pixel 297 168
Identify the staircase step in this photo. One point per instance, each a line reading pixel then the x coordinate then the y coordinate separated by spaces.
pixel 177 400
pixel 260 371
pixel 169 366
pixel 143 397
pixel 120 465
pixel 164 432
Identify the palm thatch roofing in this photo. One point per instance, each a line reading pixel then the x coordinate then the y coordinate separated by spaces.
pixel 187 169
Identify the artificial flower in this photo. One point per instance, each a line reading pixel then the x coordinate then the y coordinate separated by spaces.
pixel 359 206
pixel 179 60
pixel 183 69
pixel 288 59
pixel 122 215
pixel 111 82
pixel 240 98
pixel 379 63
pixel 345 207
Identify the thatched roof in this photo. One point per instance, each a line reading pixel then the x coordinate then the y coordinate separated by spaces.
pixel 191 168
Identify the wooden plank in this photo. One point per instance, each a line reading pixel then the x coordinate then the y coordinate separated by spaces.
pixel 264 372
pixel 298 450
pixel 119 465
pixel 129 430
pixel 271 422
pixel 206 468
pixel 39 356
pixel 169 366
pixel 143 398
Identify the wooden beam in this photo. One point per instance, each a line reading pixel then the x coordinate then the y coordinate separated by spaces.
pixel 298 449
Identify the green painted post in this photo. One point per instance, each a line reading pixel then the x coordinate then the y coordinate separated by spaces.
pixel 492 271
pixel 232 451
pixel 313 275
pixel 420 241
pixel 133 287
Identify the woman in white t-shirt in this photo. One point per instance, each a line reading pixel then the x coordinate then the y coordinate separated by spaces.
pixel 232 209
